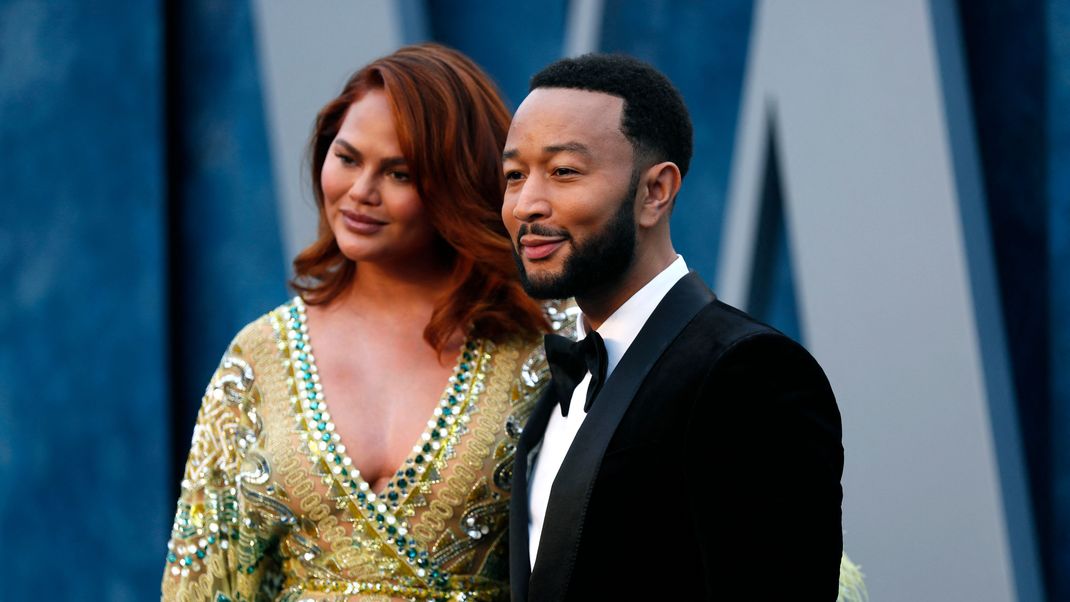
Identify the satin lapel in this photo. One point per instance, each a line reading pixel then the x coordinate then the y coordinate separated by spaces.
pixel 571 490
pixel 519 557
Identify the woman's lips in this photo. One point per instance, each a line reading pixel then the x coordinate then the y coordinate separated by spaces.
pixel 361 224
pixel 540 249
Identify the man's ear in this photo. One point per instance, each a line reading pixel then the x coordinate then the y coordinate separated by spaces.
pixel 661 182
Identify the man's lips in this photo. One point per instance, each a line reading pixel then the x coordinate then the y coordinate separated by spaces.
pixel 539 247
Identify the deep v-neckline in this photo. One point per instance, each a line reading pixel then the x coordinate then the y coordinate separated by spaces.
pixel 442 428
pixel 385 513
pixel 458 373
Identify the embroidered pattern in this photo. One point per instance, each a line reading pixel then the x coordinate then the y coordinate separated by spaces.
pixel 295 520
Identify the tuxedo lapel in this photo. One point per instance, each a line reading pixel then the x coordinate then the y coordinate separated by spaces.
pixel 519 556
pixel 572 486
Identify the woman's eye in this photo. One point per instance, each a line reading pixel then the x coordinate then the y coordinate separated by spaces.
pixel 345 159
pixel 399 176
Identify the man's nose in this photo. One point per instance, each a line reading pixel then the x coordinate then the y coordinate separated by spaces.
pixel 532 201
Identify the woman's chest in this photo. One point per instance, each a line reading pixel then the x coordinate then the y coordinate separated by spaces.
pixel 381 407
pixel 441 504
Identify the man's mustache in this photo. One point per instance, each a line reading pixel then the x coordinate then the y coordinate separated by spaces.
pixel 541 230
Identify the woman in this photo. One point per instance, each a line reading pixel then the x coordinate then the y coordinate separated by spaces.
pixel 303 481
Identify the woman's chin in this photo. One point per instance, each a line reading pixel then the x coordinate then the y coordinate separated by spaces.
pixel 360 252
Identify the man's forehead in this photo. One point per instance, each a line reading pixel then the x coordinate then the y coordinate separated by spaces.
pixel 573 96
pixel 580 113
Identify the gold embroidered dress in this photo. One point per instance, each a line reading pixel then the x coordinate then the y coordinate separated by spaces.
pixel 272 507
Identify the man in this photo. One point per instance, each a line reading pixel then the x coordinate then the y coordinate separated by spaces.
pixel 683 450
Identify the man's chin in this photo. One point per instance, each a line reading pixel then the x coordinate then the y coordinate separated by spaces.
pixel 544 284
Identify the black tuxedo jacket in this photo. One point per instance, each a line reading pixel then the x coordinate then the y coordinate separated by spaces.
pixel 707 469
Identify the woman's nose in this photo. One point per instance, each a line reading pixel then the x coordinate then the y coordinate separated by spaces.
pixel 365 188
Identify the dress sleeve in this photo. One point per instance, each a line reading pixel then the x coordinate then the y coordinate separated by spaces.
pixel 215 553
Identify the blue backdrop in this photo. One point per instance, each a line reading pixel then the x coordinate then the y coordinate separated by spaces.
pixel 1056 143
pixel 84 409
pixel 139 233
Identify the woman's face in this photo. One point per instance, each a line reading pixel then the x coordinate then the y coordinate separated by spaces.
pixel 369 198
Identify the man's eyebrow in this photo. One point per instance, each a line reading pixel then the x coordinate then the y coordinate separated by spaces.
pixel 553 149
pixel 567 147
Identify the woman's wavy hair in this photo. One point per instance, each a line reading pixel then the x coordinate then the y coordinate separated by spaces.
pixel 452 126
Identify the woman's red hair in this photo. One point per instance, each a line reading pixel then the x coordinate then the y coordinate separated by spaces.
pixel 452 126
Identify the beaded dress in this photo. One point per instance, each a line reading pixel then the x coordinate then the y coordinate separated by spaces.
pixel 272 507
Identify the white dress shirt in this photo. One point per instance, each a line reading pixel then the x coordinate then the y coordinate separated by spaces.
pixel 618 331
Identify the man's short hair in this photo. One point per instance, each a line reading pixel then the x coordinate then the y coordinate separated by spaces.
pixel 654 118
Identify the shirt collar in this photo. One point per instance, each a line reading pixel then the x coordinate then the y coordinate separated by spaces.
pixel 621 328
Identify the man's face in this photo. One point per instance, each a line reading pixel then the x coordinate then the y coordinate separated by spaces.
pixel 570 192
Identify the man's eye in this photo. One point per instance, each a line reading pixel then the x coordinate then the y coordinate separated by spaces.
pixel 564 171
pixel 513 176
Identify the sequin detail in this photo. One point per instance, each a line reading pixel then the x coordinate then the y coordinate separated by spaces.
pixel 427 460
pixel 288 526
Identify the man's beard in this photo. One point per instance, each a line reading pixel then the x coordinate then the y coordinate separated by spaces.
pixel 598 264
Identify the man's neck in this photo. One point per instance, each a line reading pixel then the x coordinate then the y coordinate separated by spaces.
pixel 598 306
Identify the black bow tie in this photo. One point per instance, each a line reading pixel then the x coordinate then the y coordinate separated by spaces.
pixel 570 360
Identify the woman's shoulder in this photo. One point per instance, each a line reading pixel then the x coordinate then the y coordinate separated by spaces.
pixel 562 315
pixel 533 370
pixel 263 332
pixel 255 358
